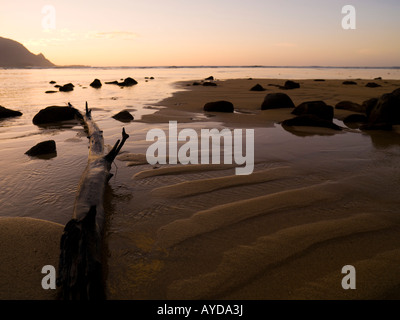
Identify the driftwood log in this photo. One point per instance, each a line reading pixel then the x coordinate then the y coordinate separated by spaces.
pixel 79 270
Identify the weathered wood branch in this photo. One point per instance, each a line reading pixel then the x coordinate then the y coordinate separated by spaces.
pixel 79 272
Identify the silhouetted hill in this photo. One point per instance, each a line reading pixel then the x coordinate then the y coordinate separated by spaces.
pixel 15 55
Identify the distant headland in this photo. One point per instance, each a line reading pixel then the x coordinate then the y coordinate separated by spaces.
pixel 14 55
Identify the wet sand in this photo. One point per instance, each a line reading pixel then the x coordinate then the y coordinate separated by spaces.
pixel 317 200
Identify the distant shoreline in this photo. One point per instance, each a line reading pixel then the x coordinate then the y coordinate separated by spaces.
pixel 206 67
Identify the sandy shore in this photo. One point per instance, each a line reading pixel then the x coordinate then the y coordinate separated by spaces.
pixel 317 200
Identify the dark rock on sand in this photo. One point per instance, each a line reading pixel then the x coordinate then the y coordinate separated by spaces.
pixel 258 87
pixel 123 116
pixel 385 113
pixel 209 84
pixel 349 82
pixel 360 118
pixel 66 87
pixel 8 113
pixel 289 84
pixel 42 148
pixel 128 82
pixel 369 104
pixel 219 106
pixel 276 101
pixel 56 114
pixel 96 84
pixel 310 120
pixel 396 92
pixel 351 106
pixel 210 78
pixel 316 108
pixel 372 85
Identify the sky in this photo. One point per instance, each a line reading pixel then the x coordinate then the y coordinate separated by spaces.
pixel 206 32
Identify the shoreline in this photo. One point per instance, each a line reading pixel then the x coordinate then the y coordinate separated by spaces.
pixel 300 216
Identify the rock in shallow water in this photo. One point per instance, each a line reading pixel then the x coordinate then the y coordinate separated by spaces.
pixel 276 101
pixel 96 84
pixel 42 148
pixel 8 113
pixel 219 106
pixel 56 114
pixel 123 116
pixel 317 108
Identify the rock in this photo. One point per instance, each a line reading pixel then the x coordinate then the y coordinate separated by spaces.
pixel 66 87
pixel 317 108
pixel 291 85
pixel 276 101
pixel 96 84
pixel 51 91
pixel 369 104
pixel 209 84
pixel 8 113
pixel 56 114
pixel 378 78
pixel 385 113
pixel 360 118
pixel 123 116
pixel 128 82
pixel 219 106
pixel 396 92
pixel 57 86
pixel 320 80
pixel 210 78
pixel 52 82
pixel 196 83
pixel 372 85
pixel 257 87
pixel 351 106
pixel 349 82
pixel 42 148
pixel 310 120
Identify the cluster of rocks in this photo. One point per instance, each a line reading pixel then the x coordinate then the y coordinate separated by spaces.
pixel 128 82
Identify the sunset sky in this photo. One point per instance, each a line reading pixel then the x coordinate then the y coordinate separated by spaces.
pixel 206 32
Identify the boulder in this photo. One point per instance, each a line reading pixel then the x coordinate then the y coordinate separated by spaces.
pixel 56 114
pixel 276 101
pixel 219 106
pixel 66 87
pixel 385 113
pixel 210 78
pixel 317 108
pixel 42 148
pixel 372 85
pixel 350 106
pixel 8 113
pixel 123 116
pixel 128 82
pixel 348 82
pixel 257 87
pixel 369 104
pixel 360 118
pixel 289 84
pixel 96 84
pixel 396 92
pixel 209 84
pixel 310 120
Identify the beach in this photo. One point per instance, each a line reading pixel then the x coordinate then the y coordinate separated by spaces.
pixel 318 200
